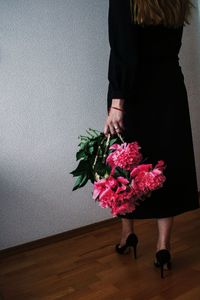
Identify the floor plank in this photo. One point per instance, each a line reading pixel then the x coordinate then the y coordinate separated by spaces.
pixel 86 267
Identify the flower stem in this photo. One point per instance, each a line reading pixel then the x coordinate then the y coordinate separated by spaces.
pixel 99 147
pixel 119 135
pixel 107 144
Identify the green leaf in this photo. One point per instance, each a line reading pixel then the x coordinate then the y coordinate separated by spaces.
pixel 81 154
pixel 121 172
pixel 77 183
pixel 80 182
pixel 91 175
pixel 81 145
pixel 91 150
pixel 84 180
pixel 113 141
pixel 101 168
pixel 100 152
pixel 92 142
pixel 81 169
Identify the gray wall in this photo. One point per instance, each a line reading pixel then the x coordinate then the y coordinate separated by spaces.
pixel 190 61
pixel 53 85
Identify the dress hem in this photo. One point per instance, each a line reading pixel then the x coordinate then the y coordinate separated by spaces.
pixel 158 217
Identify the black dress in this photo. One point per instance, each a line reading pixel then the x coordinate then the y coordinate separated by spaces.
pixel 144 70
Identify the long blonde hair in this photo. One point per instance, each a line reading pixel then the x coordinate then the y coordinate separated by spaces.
pixel 171 13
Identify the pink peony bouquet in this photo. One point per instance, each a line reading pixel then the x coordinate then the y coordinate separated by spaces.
pixel 121 180
pixel 129 181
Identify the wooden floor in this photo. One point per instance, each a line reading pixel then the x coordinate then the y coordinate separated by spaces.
pixel 86 267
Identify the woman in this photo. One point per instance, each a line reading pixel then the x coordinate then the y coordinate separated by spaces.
pixel 147 102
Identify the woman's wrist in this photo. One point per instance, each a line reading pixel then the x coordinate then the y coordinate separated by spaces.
pixel 118 103
pixel 114 107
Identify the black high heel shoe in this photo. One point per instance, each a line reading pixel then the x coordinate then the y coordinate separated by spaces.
pixel 163 260
pixel 131 242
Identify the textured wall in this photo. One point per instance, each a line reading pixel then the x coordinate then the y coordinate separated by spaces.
pixel 190 62
pixel 53 85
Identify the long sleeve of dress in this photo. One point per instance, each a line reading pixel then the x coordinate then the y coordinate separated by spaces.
pixel 123 40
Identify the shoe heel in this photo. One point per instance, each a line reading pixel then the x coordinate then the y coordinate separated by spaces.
pixel 133 248
pixel 163 267
pixel 131 243
pixel 163 260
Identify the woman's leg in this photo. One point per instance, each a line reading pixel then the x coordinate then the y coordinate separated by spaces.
pixel 164 232
pixel 127 228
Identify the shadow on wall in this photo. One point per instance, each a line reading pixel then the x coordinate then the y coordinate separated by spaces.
pixel 190 63
pixel 198 25
pixel 197 35
pixel 192 41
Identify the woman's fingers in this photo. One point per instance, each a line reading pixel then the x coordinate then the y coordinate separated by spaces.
pixel 121 125
pixel 117 128
pixel 106 129
pixel 112 128
pixel 114 123
pixel 109 129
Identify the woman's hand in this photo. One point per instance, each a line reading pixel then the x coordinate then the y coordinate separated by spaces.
pixel 114 122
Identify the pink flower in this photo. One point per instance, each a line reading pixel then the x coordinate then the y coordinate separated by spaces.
pixel 125 155
pixel 114 193
pixel 102 185
pixel 140 168
pixel 122 180
pixel 145 179
pixel 160 166
pixel 124 208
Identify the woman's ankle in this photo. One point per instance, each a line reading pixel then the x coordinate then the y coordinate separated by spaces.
pixel 164 245
pixel 124 237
